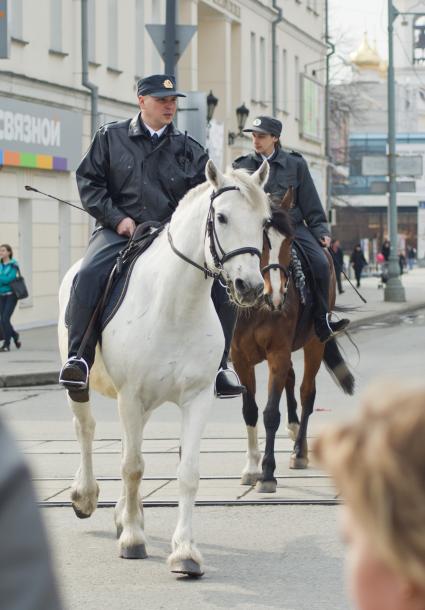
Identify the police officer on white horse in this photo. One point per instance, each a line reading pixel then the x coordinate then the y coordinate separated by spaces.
pixel 307 214
pixel 135 171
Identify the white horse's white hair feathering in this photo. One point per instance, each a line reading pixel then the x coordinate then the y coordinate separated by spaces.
pixel 165 344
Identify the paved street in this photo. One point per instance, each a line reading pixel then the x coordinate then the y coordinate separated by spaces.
pixel 285 556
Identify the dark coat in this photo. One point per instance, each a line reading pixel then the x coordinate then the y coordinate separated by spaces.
pixel 290 169
pixel 124 175
pixel 357 259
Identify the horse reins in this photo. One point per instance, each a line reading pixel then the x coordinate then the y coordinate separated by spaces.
pixel 211 232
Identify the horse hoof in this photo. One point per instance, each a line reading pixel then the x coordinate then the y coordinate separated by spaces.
pixel 266 487
pixel 188 567
pixel 250 478
pixel 298 463
pixel 80 513
pixel 137 551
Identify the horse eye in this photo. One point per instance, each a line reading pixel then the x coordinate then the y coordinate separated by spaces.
pixel 222 219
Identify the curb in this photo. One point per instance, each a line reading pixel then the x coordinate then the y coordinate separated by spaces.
pixel 29 379
pixel 51 377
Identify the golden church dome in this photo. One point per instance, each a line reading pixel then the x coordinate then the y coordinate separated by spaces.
pixel 366 57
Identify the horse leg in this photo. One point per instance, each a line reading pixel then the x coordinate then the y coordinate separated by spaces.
pixel 251 472
pixel 185 557
pixel 292 423
pixel 313 354
pixel 84 490
pixel 129 508
pixel 278 371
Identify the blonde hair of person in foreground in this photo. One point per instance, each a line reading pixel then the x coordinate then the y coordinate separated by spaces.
pixel 378 465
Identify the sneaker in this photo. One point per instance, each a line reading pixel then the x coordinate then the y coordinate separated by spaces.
pixel 227 384
pixel 74 374
pixel 325 329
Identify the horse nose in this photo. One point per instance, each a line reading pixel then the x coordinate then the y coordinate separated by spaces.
pixel 242 287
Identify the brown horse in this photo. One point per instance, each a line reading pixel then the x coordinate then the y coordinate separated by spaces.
pixel 283 324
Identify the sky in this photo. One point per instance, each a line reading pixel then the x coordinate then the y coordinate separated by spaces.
pixel 349 19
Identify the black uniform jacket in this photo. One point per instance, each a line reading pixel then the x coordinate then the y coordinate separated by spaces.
pixel 290 169
pixel 124 175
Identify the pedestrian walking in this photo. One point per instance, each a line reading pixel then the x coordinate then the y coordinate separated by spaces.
pixel 386 249
pixel 338 258
pixel 135 171
pixel 358 262
pixel 411 256
pixel 8 272
pixel 290 170
pixel 377 462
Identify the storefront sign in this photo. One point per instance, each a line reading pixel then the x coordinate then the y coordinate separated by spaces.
pixel 312 109
pixel 40 137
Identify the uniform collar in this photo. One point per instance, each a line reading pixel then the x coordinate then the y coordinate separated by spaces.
pixel 138 128
pixel 279 157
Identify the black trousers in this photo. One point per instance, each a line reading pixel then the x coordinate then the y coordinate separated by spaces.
pixel 7 307
pixel 89 283
pixel 320 268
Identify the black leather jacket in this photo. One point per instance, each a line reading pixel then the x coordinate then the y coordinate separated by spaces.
pixel 291 169
pixel 124 175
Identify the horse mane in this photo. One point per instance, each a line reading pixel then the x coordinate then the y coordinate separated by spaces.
pixel 239 177
pixel 281 221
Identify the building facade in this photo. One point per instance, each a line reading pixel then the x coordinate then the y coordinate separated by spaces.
pixel 45 111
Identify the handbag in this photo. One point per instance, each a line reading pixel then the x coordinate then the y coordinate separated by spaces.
pixel 18 286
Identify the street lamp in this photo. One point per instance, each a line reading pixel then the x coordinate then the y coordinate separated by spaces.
pixel 212 102
pixel 242 113
pixel 394 290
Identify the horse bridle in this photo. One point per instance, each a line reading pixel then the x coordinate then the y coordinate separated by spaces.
pixel 285 270
pixel 211 232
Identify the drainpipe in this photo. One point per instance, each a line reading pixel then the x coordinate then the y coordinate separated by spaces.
pixel 85 66
pixel 329 52
pixel 274 58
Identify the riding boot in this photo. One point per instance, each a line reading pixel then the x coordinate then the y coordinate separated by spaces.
pixel 325 329
pixel 75 372
pixel 227 383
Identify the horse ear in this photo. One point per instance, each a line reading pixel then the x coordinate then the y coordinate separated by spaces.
pixel 288 199
pixel 214 175
pixel 262 174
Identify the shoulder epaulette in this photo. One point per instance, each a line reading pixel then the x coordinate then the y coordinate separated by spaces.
pixel 296 154
pixel 240 158
pixel 196 141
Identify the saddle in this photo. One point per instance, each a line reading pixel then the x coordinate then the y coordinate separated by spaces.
pixel 117 284
pixel 116 287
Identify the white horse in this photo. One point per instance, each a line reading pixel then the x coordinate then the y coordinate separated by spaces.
pixel 165 344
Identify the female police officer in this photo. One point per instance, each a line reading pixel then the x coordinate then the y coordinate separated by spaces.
pixel 307 214
pixel 135 171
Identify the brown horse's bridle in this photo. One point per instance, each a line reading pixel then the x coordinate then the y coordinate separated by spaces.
pixel 285 270
pixel 211 232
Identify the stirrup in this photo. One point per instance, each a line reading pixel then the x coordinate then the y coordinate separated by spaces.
pixel 72 384
pixel 239 389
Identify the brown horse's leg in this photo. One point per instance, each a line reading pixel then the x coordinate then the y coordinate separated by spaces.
pixel 251 471
pixel 279 364
pixel 293 423
pixel 313 354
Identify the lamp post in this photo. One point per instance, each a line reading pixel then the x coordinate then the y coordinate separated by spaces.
pixel 242 113
pixel 394 290
pixel 212 102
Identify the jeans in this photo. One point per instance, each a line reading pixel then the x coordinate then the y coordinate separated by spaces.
pixel 7 307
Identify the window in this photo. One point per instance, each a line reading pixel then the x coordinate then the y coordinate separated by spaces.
pixel 297 87
pixel 56 25
pixel 253 67
pixel 140 38
pixel 17 20
pixel 285 79
pixel 263 69
pixel 419 40
pixel 112 34
pixel 91 27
